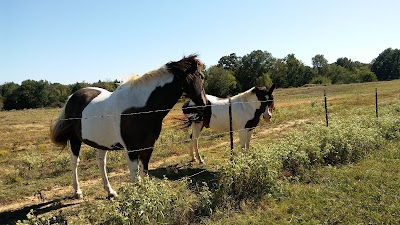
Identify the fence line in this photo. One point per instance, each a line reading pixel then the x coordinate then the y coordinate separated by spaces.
pixel 212 135
pixel 153 111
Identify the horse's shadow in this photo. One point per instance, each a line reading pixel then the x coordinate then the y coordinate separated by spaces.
pixel 11 217
pixel 195 175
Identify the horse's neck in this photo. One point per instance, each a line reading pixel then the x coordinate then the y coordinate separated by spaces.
pixel 249 100
pixel 152 96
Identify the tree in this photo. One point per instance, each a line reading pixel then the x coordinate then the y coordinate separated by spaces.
pixel 366 75
pixel 387 65
pixel 265 80
pixel 230 62
pixel 253 65
pixel 346 63
pixel 219 82
pixel 7 92
pixel 295 72
pixel 278 73
pixel 320 64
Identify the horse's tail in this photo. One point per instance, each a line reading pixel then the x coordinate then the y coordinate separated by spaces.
pixel 60 130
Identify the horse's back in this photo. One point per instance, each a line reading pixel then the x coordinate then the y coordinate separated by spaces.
pixel 98 118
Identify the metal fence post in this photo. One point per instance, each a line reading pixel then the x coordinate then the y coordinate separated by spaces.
pixel 376 102
pixel 326 109
pixel 230 127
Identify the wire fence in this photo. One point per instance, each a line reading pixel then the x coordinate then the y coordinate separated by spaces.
pixel 229 103
pixel 179 141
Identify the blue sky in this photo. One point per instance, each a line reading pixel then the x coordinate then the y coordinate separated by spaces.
pixel 75 41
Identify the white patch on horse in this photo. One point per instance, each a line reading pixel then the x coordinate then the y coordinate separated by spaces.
pixel 111 105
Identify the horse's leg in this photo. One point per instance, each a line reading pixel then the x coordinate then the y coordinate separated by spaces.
pixel 133 163
pixel 102 161
pixel 191 147
pixel 195 140
pixel 243 138
pixel 248 138
pixel 75 148
pixel 144 157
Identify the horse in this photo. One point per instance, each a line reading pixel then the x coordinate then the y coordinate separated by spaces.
pixel 247 108
pixel 130 118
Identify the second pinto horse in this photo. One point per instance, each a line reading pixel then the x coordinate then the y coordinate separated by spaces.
pixel 247 107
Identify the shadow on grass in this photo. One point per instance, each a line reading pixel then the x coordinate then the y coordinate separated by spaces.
pixel 196 175
pixel 11 217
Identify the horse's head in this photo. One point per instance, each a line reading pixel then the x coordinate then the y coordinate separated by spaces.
pixel 189 73
pixel 264 95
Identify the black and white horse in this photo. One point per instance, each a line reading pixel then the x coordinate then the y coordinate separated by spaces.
pixel 129 118
pixel 247 108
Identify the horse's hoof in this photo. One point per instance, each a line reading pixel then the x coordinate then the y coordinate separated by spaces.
pixel 112 195
pixel 78 196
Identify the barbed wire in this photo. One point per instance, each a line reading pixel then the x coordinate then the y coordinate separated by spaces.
pixel 155 111
pixel 189 139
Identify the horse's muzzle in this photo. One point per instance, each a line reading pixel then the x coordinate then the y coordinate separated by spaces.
pixel 267 115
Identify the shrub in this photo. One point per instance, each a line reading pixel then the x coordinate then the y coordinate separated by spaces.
pixel 251 175
pixel 152 202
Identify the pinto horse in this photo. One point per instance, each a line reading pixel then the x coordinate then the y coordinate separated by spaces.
pixel 129 118
pixel 247 108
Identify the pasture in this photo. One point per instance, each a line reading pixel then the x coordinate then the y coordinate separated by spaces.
pixel 296 170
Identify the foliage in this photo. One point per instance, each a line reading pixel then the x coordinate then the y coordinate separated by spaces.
pixel 387 65
pixel 320 64
pixel 152 202
pixel 250 175
pixel 252 66
pixel 219 82
pixel 232 74
pixel 41 94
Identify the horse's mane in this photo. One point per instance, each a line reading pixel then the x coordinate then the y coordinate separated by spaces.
pixel 244 95
pixel 178 68
pixel 145 78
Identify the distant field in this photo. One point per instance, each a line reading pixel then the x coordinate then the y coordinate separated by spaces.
pixel 36 175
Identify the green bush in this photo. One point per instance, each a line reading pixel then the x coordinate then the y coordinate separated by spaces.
pixel 389 125
pixel 251 175
pixel 152 201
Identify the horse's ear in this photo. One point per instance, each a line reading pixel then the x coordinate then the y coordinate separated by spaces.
pixel 271 89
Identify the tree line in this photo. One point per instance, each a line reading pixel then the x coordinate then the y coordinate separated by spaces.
pixel 41 94
pixel 232 74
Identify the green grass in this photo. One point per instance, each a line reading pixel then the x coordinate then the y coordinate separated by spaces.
pixel 280 180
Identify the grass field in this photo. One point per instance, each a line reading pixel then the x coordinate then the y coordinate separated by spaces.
pixel 35 175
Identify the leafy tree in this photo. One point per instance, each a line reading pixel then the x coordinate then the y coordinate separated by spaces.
pixel 278 73
pixel 7 93
pixel 346 63
pixel 320 64
pixel 108 85
pixel 253 65
pixel 219 82
pixel 265 80
pixel 230 62
pixel 387 65
pixel 364 74
pixel 295 72
pixel 339 75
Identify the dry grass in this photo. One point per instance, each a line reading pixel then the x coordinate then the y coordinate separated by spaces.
pixel 30 164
